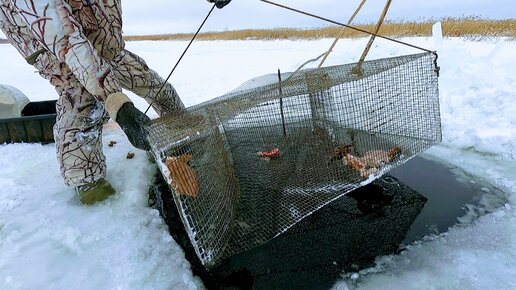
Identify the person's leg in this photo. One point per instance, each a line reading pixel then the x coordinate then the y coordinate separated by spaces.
pixel 78 128
pixel 78 136
pixel 77 132
pixel 134 75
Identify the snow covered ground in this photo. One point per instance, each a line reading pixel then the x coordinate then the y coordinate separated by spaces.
pixel 49 240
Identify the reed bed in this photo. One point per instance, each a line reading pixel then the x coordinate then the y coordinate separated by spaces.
pixel 452 27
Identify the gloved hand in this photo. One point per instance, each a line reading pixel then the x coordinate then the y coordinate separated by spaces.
pixel 220 3
pixel 130 119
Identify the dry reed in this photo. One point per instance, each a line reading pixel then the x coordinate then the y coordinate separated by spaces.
pixel 453 27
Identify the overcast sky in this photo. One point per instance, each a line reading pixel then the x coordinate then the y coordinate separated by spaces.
pixel 172 16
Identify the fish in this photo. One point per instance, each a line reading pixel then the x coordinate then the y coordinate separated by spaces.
pixel 339 152
pixel 185 179
pixel 274 153
pixel 371 161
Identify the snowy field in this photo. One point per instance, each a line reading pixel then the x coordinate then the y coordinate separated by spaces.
pixel 48 240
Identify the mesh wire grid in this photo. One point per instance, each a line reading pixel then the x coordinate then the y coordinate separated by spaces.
pixel 245 200
pixel 347 233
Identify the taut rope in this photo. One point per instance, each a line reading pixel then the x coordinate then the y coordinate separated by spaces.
pixel 345 25
pixel 181 57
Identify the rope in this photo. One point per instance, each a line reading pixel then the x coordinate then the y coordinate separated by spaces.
pixel 305 63
pixel 345 25
pixel 340 34
pixel 325 54
pixel 181 57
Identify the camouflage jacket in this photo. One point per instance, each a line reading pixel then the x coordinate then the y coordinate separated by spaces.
pixel 83 34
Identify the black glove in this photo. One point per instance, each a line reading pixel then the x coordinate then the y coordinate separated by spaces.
pixel 133 122
pixel 220 3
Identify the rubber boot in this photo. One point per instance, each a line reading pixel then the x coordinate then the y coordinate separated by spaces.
pixel 94 192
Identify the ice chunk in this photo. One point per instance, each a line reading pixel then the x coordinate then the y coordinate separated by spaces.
pixel 437 34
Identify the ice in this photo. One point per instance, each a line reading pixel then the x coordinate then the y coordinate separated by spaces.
pixel 437 34
pixel 480 256
pixel 49 240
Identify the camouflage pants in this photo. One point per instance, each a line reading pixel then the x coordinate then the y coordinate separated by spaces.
pixel 80 117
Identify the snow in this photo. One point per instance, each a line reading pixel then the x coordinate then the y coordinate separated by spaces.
pixel 48 239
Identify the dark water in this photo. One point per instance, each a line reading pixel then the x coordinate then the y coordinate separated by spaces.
pixel 418 198
pixel 448 189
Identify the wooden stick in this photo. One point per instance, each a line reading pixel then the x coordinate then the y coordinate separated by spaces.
pixel 340 34
pixel 357 69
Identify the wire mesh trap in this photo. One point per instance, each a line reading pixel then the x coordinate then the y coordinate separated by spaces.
pixel 247 166
pixel 345 235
